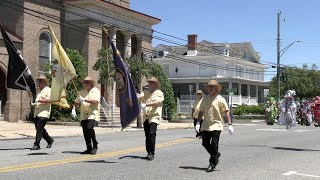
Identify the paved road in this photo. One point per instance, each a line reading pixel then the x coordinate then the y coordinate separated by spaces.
pixel 253 152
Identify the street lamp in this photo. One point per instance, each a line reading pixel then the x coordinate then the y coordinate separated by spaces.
pixel 286 48
pixel 279 55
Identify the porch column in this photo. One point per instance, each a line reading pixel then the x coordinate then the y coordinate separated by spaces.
pixel 249 97
pixel 127 44
pixel 197 86
pixel 229 97
pixel 257 93
pixel 239 91
pixel 113 35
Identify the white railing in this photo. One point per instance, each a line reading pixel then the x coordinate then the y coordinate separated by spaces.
pixel 105 107
pixel 187 97
pixel 184 106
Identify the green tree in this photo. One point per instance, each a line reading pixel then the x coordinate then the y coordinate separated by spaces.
pixel 80 66
pixel 105 65
pixel 169 104
pixel 138 69
pixel 303 80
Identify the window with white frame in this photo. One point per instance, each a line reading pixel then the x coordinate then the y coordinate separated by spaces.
pixel 226 70
pixel 238 71
pixel 44 51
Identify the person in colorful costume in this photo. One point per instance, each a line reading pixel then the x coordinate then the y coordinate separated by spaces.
pixel 271 111
pixel 288 110
pixel 316 111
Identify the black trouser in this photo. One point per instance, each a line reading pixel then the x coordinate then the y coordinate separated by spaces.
pixel 210 141
pixel 195 120
pixel 40 123
pixel 150 130
pixel 89 133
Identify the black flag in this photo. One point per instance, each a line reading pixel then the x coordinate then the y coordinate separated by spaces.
pixel 18 74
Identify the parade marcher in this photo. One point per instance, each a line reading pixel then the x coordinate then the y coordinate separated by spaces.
pixel 195 111
pixel 288 110
pixel 306 113
pixel 88 99
pixel 213 108
pixel 271 111
pixel 153 115
pixel 316 111
pixel 42 111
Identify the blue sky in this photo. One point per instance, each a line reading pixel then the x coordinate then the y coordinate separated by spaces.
pixel 246 20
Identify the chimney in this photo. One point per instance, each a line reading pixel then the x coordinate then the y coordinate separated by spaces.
pixel 192 45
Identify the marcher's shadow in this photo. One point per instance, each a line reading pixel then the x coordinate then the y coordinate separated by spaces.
pixel 100 161
pixel 294 149
pixel 193 168
pixel 38 154
pixel 71 152
pixel 13 149
pixel 132 157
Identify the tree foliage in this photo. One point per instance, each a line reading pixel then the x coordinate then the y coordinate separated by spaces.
pixel 80 66
pixel 305 81
pixel 169 103
pixel 104 65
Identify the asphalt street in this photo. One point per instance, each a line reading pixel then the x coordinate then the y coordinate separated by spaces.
pixel 255 151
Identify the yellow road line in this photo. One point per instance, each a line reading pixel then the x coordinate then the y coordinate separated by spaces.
pixel 87 157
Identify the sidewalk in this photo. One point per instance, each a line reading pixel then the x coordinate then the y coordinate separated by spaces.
pixel 21 130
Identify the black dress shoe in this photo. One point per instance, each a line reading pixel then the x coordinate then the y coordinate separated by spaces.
pixel 94 151
pixel 35 147
pixel 86 152
pixel 211 168
pixel 150 157
pixel 217 159
pixel 50 144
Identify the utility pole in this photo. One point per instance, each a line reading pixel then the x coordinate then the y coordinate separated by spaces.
pixel 278 58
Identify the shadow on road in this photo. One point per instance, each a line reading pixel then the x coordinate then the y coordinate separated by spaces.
pixel 193 168
pixel 132 157
pixel 38 154
pixel 274 147
pixel 13 149
pixel 294 149
pixel 100 161
pixel 71 152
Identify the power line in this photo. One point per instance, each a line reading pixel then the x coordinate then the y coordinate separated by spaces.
pixel 156 37
pixel 147 50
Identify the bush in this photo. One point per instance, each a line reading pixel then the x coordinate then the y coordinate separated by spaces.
pixel 245 110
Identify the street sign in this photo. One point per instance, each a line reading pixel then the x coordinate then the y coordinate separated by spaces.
pixel 231 90
pixel 231 93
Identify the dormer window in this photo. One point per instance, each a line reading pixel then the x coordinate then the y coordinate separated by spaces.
pixel 227 52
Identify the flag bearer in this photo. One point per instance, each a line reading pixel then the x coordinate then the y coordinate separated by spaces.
pixel 88 99
pixel 213 108
pixel 153 114
pixel 195 111
pixel 42 111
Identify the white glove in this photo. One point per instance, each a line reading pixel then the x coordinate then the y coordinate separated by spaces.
pixel 231 130
pixel 143 105
pixel 198 127
pixel 73 112
pixel 81 99
pixel 28 88
pixel 138 95
pixel 34 103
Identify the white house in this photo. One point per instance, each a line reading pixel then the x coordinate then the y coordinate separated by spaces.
pixel 233 65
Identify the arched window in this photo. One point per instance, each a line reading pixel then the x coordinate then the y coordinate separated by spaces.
pixel 44 51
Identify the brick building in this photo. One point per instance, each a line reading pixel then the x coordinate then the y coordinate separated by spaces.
pixel 78 25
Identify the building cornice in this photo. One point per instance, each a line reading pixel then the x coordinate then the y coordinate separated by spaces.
pixel 108 6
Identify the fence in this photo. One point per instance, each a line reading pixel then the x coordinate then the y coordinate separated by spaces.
pixel 185 104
